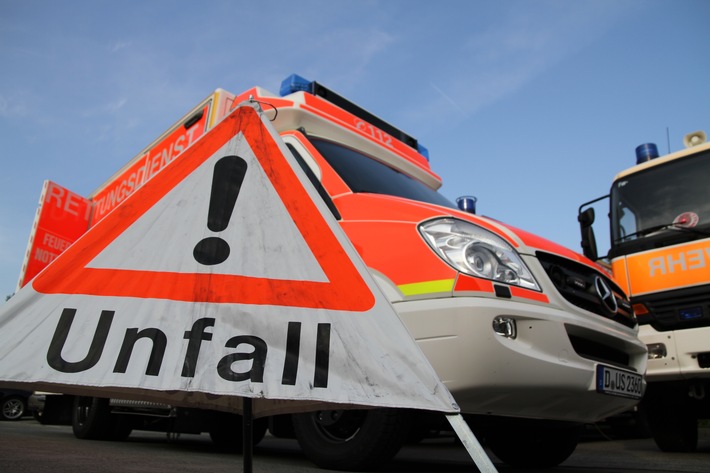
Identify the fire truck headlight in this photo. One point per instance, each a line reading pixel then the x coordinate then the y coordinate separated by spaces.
pixel 476 251
pixel 656 351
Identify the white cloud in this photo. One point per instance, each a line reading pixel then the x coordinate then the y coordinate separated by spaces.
pixel 524 41
pixel 119 45
pixel 345 54
pixel 451 101
pixel 116 105
pixel 12 107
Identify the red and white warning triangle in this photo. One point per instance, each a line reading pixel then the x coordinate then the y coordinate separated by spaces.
pixel 262 238
pixel 224 276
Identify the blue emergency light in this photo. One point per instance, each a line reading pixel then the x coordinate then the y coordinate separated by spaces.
pixel 646 152
pixel 296 83
pixel 691 313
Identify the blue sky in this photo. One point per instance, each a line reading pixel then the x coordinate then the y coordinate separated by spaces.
pixel 532 106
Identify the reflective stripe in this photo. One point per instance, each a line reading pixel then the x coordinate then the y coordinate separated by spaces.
pixel 417 288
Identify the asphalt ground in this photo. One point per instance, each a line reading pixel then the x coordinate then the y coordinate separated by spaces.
pixel 29 447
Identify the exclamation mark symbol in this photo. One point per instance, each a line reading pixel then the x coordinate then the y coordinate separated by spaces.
pixel 227 181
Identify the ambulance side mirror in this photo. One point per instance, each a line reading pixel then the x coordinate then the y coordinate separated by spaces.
pixel 589 241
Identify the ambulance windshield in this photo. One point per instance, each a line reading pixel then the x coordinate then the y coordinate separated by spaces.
pixel 661 205
pixel 363 174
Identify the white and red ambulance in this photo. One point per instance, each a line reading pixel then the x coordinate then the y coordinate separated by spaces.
pixel 532 339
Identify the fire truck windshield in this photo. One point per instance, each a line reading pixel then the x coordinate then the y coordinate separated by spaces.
pixel 661 205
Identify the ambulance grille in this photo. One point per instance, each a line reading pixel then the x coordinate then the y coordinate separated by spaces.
pixel 603 352
pixel 579 285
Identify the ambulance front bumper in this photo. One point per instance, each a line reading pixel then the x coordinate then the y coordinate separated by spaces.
pixel 556 366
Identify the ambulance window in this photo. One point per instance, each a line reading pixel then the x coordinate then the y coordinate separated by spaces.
pixel 363 174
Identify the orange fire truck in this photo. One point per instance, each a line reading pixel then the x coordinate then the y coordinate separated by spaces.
pixel 659 222
pixel 532 339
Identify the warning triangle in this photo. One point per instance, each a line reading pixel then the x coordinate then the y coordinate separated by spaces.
pixel 233 220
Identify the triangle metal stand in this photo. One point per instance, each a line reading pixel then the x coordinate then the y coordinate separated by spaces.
pixel 473 446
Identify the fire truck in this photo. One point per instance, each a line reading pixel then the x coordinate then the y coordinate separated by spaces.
pixel 532 339
pixel 659 253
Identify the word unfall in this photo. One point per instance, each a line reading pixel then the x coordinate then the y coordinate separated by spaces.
pixel 248 348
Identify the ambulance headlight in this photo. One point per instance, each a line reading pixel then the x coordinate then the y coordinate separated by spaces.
pixel 476 251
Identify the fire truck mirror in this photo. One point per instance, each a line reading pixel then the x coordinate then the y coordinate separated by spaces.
pixel 589 242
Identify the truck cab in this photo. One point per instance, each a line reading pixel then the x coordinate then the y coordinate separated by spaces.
pixel 659 252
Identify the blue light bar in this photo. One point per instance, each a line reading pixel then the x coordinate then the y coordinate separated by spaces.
pixel 296 83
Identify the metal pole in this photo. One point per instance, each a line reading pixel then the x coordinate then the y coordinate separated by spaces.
pixel 469 440
pixel 247 434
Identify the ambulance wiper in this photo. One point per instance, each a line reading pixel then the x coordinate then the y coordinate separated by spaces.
pixel 658 228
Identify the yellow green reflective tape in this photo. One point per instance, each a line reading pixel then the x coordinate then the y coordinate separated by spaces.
pixel 428 287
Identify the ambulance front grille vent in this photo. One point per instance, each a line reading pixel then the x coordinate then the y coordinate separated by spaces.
pixel 588 289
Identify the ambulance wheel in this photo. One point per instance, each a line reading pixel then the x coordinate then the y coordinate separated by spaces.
pixel 674 428
pixel 354 440
pixel 532 444
pixel 92 420
pixel 228 436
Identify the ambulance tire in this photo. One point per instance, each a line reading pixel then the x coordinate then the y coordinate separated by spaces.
pixel 227 432
pixel 674 428
pixel 92 420
pixel 352 440
pixel 532 444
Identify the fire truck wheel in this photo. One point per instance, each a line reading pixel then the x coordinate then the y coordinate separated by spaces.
pixel 354 440
pixel 92 420
pixel 674 428
pixel 533 445
pixel 227 434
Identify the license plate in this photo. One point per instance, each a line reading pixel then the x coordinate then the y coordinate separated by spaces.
pixel 618 382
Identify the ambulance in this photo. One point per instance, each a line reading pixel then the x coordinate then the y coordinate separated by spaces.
pixel 659 253
pixel 532 339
